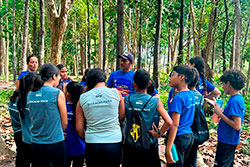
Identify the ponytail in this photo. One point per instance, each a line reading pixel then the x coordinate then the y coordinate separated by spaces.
pixel 26 84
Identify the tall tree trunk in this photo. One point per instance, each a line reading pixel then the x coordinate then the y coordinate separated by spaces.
pixel 195 41
pixel 18 50
pixel 6 67
pixel 2 44
pixel 247 82
pixel 209 40
pixel 58 24
pixel 104 38
pixel 157 43
pixel 189 37
pixel 41 33
pixel 180 54
pixel 224 37
pixel 213 57
pixel 238 33
pixel 232 56
pixel 89 39
pixel 140 43
pixel 83 51
pixel 25 35
pixel 13 41
pixel 34 29
pixel 120 31
pixel 244 44
pixel 100 39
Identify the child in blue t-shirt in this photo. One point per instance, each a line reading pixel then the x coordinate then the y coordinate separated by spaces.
pixel 231 118
pixel 75 146
pixel 181 110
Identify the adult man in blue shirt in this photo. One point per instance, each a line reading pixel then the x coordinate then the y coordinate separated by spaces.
pixel 122 79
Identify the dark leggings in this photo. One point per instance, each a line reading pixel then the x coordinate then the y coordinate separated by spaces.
pixel 103 154
pixel 77 161
pixel 23 151
pixel 224 155
pixel 45 155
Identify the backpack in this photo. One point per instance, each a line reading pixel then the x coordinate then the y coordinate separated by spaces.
pixel 136 135
pixel 199 126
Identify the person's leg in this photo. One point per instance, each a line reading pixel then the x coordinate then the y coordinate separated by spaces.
pixel 130 157
pixel 40 155
pixel 224 155
pixel 68 161
pixel 78 161
pixel 19 144
pixel 57 154
pixel 92 152
pixel 111 154
pixel 183 145
pixel 192 157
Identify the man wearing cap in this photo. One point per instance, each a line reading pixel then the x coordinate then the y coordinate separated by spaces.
pixel 122 79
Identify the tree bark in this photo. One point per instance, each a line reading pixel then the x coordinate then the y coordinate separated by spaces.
pixel 209 40
pixel 224 37
pixel 41 33
pixel 238 33
pixel 6 64
pixel 58 24
pixel 157 43
pixel 25 35
pixel 104 38
pixel 100 39
pixel 247 82
pixel 120 32
pixel 195 41
pixel 13 41
pixel 89 39
pixel 34 30
pixel 140 43
pixel 2 44
pixel 244 44
pixel 232 56
pixel 180 54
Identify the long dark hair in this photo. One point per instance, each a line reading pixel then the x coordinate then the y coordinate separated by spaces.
pixel 26 84
pixel 75 90
pixel 199 64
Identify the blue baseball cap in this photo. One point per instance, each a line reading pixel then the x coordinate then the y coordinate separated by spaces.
pixel 127 56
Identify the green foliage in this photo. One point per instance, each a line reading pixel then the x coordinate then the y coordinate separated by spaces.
pixel 5 96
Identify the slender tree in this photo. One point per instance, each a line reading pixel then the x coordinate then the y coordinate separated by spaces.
pixel 237 12
pixel 34 34
pixel 157 43
pixel 2 44
pixel 41 33
pixel 6 64
pixel 224 37
pixel 89 39
pixel 180 54
pixel 244 44
pixel 100 39
pixel 25 35
pixel 104 38
pixel 120 31
pixel 13 41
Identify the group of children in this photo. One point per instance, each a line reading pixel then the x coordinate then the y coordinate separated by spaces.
pixel 57 121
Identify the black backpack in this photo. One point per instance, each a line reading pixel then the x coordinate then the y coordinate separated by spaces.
pixel 136 135
pixel 199 126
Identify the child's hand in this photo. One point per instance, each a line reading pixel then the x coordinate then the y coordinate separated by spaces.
pixel 218 110
pixel 212 102
pixel 169 157
pixel 154 131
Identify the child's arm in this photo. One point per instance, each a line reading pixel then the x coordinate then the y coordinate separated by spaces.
pixel 79 121
pixel 121 107
pixel 62 109
pixel 165 116
pixel 171 136
pixel 235 123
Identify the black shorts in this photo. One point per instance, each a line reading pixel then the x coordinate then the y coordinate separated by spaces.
pixel 224 155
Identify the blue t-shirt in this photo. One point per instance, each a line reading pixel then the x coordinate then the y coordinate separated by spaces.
pixel 45 116
pixel 122 81
pixel 200 87
pixel 75 146
pixel 61 82
pixel 23 74
pixel 199 100
pixel 184 104
pixel 83 83
pixel 15 118
pixel 234 107
pixel 138 100
pixel 26 126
